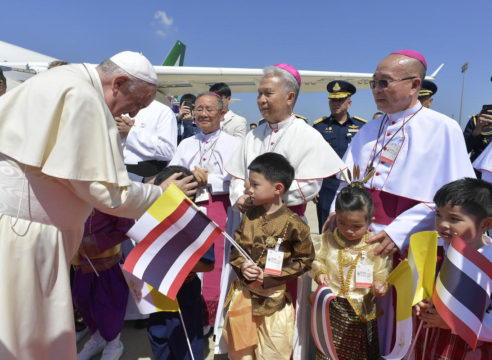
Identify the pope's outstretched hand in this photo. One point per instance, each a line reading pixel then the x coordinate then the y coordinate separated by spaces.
pixel 186 184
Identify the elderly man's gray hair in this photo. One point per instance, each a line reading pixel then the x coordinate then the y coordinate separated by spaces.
pixel 220 103
pixel 110 69
pixel 289 82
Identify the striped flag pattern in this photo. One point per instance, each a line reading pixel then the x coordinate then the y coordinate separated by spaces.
pixel 463 290
pixel 320 322
pixel 148 299
pixel 172 236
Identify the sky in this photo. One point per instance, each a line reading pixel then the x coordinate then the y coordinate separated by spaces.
pixel 349 36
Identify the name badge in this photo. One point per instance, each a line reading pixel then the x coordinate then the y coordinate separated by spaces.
pixel 389 155
pixel 363 276
pixel 201 194
pixel 274 262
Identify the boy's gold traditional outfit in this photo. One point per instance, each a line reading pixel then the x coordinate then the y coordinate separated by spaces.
pixel 266 309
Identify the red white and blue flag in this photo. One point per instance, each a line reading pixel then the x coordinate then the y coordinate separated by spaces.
pixel 320 322
pixel 171 238
pixel 463 290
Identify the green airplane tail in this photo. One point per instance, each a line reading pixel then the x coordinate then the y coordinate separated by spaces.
pixel 176 55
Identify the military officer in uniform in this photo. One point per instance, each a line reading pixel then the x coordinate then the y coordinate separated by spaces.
pixel 338 129
pixel 478 133
pixel 427 91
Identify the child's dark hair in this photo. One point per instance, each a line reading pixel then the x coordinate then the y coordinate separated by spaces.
pixel 169 170
pixel 274 167
pixel 473 195
pixel 354 198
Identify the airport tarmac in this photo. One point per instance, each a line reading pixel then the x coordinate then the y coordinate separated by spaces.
pixel 135 340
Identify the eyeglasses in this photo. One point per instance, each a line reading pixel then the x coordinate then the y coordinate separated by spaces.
pixel 209 111
pixel 383 84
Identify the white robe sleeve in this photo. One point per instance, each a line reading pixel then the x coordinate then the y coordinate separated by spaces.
pixel 129 202
pixel 236 190
pixel 302 191
pixel 420 217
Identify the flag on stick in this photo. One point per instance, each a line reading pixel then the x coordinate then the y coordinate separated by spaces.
pixel 463 290
pixel 172 236
pixel 422 258
pixel 320 322
pixel 402 279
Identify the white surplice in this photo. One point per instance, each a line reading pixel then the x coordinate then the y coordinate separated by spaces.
pixel 60 156
pixel 431 152
pixel 311 156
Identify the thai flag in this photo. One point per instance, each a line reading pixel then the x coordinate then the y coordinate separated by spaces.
pixel 463 288
pixel 320 324
pixel 172 236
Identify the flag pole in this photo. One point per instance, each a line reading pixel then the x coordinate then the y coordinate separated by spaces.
pixel 186 333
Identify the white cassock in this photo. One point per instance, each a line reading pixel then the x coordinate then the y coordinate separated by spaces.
pixel 483 163
pixel 60 156
pixel 212 152
pixel 313 159
pixel 417 150
pixel 234 124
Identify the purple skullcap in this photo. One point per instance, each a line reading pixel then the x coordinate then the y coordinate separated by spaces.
pixel 413 54
pixel 292 70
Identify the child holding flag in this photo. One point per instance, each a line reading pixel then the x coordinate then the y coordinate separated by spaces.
pixel 260 319
pixel 165 331
pixel 347 264
pixel 464 208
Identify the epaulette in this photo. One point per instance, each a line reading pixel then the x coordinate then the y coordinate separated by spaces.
pixel 360 119
pixel 320 120
pixel 300 117
pixel 474 117
pixel 261 121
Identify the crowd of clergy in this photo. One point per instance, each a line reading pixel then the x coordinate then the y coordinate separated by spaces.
pixel 80 147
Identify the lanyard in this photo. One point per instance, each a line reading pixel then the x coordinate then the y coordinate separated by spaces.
pixel 380 132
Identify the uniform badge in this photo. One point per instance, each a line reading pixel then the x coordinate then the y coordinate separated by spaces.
pixel 337 87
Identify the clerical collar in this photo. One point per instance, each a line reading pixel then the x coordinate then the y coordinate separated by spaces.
pixel 281 124
pixel 207 137
pixel 403 114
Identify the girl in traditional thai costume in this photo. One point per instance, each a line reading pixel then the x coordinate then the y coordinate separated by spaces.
pixel 347 264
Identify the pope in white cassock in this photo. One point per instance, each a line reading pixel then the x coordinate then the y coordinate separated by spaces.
pixel 311 156
pixel 60 156
pixel 413 151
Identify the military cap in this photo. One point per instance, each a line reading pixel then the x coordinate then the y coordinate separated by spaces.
pixel 428 88
pixel 340 89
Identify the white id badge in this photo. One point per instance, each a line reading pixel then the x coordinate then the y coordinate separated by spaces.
pixel 389 154
pixel 274 262
pixel 363 276
pixel 201 194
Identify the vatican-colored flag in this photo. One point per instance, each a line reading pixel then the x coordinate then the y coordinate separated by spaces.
pixel 402 279
pixel 422 258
